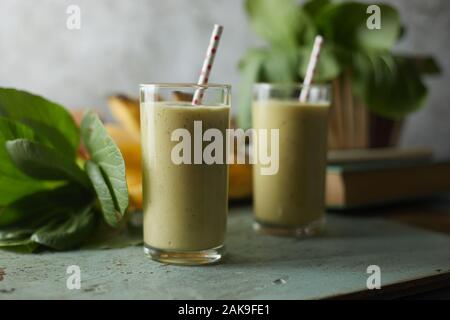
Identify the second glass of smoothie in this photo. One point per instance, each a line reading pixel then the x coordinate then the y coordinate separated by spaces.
pixel 291 202
pixel 185 204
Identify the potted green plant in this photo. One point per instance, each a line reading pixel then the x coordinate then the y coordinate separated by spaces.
pixel 373 87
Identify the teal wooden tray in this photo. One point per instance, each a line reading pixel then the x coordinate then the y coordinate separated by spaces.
pixel 257 267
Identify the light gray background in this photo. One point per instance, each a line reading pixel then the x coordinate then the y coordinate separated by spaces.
pixel 126 42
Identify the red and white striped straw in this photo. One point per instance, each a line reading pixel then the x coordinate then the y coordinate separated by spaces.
pixel 311 68
pixel 208 63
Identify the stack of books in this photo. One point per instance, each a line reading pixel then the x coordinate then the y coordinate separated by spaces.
pixel 363 178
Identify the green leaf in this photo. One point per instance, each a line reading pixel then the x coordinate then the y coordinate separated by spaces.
pixel 314 7
pixel 11 130
pixel 110 214
pixel 13 183
pixel 251 69
pixel 12 189
pixel 31 211
pixel 50 136
pixel 20 220
pixel 345 23
pixel 42 162
pixel 17 239
pixel 105 153
pixel 328 66
pixel 15 233
pixel 279 66
pixel 68 230
pixel 390 86
pixel 40 113
pixel 424 65
pixel 277 21
pixel 25 245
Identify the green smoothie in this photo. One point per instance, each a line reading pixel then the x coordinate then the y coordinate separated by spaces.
pixel 294 196
pixel 185 205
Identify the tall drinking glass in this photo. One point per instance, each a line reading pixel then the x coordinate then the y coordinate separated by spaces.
pixel 184 191
pixel 291 202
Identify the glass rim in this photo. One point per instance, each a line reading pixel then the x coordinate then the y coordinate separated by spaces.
pixel 295 85
pixel 185 85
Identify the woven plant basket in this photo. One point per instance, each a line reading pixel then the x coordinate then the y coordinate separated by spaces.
pixel 353 126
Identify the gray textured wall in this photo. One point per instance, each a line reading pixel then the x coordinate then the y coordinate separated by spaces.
pixel 123 43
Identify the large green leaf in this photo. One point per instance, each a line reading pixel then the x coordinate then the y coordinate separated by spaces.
pixel 50 136
pixel 12 189
pixel 111 215
pixel 105 153
pixel 41 114
pixel 390 86
pixel 67 230
pixel 13 183
pixel 39 211
pixel 345 23
pixel 31 211
pixel 42 162
pixel 277 21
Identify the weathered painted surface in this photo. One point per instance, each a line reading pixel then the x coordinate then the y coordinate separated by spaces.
pixel 258 267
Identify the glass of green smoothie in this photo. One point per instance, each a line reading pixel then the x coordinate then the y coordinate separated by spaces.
pixel 291 202
pixel 184 189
